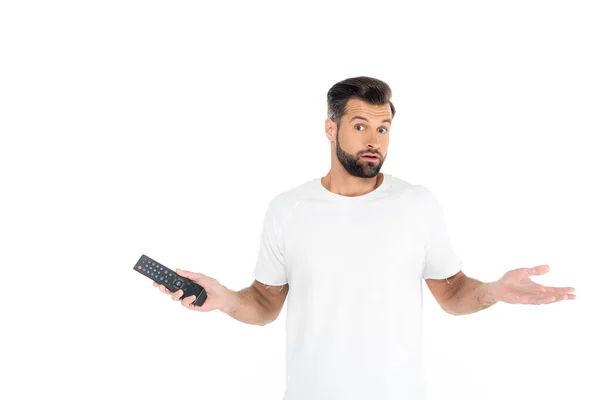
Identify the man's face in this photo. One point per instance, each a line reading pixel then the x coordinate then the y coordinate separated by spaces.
pixel 364 128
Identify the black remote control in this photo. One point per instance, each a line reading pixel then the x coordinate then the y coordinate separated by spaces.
pixel 164 276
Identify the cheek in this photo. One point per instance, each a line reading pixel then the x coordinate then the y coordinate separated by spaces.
pixel 384 146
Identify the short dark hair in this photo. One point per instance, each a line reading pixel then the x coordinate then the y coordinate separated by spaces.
pixel 370 90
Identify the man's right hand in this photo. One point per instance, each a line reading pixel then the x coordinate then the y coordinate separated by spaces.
pixel 218 295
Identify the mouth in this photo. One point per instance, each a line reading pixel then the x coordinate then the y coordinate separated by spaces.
pixel 370 158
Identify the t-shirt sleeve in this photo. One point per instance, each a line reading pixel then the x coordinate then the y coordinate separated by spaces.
pixel 440 259
pixel 269 268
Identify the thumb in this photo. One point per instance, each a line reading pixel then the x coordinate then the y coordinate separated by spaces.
pixel 539 270
pixel 190 275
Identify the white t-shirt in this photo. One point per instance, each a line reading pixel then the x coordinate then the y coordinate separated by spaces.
pixel 355 267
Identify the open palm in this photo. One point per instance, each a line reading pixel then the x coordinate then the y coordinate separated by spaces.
pixel 516 287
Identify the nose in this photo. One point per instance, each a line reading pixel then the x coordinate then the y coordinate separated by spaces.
pixel 374 142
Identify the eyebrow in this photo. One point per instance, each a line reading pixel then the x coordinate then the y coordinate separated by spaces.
pixel 359 117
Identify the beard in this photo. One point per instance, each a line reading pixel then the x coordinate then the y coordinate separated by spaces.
pixel 355 165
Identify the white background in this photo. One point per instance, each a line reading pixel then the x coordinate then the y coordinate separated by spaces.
pixel 165 128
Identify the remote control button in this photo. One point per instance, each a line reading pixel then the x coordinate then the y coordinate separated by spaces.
pixel 139 267
pixel 178 283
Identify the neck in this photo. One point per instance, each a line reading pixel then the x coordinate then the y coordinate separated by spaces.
pixel 351 186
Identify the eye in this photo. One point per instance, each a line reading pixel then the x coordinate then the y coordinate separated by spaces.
pixel 362 126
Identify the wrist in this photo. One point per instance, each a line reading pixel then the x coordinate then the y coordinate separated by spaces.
pixel 488 293
pixel 229 301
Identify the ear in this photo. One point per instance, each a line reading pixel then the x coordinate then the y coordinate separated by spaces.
pixel 330 128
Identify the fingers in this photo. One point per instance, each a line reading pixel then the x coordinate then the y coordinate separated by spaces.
pixel 175 296
pixel 187 302
pixel 536 297
pixel 564 297
pixel 548 298
pixel 162 288
pixel 559 290
pixel 189 274
pixel 539 270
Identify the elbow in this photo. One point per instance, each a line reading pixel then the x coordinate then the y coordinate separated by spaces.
pixel 449 311
pixel 452 312
pixel 269 319
pixel 449 308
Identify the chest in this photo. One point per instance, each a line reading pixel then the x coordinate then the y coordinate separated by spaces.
pixel 368 246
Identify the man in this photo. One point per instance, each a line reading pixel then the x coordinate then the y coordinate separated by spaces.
pixel 351 249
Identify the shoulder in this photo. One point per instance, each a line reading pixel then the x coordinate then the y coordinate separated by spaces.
pixel 283 203
pixel 398 186
pixel 423 200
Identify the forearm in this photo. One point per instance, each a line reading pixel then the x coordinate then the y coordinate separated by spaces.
pixel 468 295
pixel 248 306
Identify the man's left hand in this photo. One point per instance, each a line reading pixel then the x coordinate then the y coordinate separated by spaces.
pixel 515 287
